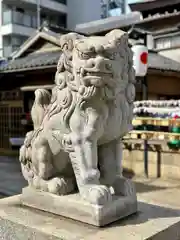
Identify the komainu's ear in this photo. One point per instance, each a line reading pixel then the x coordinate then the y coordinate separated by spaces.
pixel 67 41
pixel 117 36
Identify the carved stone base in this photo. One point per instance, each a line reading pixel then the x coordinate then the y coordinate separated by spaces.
pixel 72 206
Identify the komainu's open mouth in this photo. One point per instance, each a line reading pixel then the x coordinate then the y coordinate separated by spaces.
pixel 94 73
pixel 97 74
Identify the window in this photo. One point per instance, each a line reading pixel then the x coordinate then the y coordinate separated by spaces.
pixel 62 20
pixel 6 14
pixel 61 1
pixel 163 43
pixel 7 50
pixel 167 42
pixel 6 40
pixel 57 20
pixel 27 20
pixel 18 16
pixel 11 44
pixel 34 21
pixel 112 8
pixel 17 41
pixel 175 41
pixel 43 18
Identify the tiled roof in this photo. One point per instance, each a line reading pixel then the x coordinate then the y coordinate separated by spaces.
pixel 50 59
pixel 32 61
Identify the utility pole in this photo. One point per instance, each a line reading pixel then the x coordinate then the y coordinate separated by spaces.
pixel 38 13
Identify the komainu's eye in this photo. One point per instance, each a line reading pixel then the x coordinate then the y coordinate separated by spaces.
pixel 84 55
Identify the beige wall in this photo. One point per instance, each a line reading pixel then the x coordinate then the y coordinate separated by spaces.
pixel 171 53
pixel 169 168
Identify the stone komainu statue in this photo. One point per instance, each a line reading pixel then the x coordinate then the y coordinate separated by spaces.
pixel 76 141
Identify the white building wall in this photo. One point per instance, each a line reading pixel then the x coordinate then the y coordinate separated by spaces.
pixel 173 54
pixel 48 4
pixel 81 11
pixel 16 29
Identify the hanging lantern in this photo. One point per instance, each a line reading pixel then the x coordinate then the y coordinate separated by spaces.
pixel 140 60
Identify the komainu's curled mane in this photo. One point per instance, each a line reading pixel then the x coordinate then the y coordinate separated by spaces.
pixel 74 83
pixel 79 132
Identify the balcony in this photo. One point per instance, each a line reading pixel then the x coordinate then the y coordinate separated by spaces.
pixel 17 23
pixel 53 5
pixel 16 29
pixel 14 20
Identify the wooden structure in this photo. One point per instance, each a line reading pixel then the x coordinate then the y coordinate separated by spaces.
pixel 158 16
pixel 156 121
pixel 161 18
pixel 32 67
pixel 163 157
pixel 154 135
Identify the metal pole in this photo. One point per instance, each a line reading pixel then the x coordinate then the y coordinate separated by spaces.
pixel 145 97
pixel 158 163
pixel 38 13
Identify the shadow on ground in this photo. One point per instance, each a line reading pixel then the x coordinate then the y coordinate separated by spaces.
pixel 11 178
pixel 147 212
pixel 145 186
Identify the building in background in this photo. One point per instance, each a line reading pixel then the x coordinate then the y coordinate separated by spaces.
pixel 19 18
pixel 82 11
pixel 161 18
pixel 34 66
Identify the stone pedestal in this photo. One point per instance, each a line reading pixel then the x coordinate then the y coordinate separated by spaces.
pixel 154 222
pixel 72 206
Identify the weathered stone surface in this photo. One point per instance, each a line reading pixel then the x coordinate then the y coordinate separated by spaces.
pixel 73 206
pixel 151 222
pixel 77 138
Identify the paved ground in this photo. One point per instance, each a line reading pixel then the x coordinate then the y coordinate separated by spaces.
pixel 11 179
pixel 154 190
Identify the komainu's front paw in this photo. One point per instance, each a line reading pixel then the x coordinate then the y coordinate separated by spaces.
pixel 57 185
pixel 96 194
pixel 125 187
pixel 61 186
